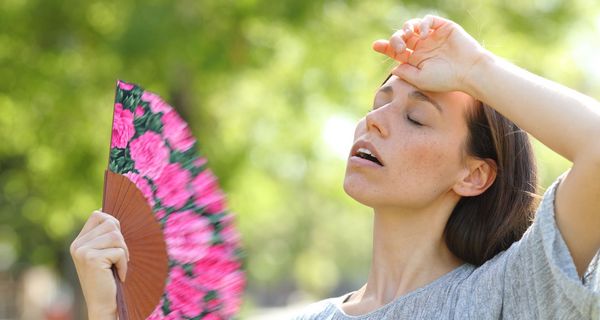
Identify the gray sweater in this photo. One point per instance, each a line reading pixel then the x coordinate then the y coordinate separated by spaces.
pixel 533 279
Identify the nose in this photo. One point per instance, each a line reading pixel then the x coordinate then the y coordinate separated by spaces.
pixel 375 122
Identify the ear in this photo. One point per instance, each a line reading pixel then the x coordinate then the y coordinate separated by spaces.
pixel 478 176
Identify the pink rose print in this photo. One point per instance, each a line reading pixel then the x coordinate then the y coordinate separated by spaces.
pixel 187 236
pixel 211 316
pixel 182 294
pixel 171 186
pixel 139 111
pixel 230 235
pixel 177 132
pixel 231 293
pixel 217 270
pixel 216 263
pixel 200 162
pixel 156 103
pixel 208 193
pixel 160 214
pixel 123 128
pixel 150 154
pixel 125 86
pixel 158 314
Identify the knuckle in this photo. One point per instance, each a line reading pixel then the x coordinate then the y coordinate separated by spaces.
pixel 123 255
pixel 100 216
pixel 73 248
pixel 396 41
pixel 97 214
pixel 115 236
pixel 94 216
pixel 115 222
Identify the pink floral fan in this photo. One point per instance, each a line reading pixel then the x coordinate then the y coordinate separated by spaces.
pixel 154 149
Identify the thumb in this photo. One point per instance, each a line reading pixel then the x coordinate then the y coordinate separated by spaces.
pixel 408 73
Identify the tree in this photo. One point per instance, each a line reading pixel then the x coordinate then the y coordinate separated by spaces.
pixel 260 82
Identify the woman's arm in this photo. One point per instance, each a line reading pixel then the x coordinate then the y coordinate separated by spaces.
pixel 567 122
pixel 441 56
pixel 98 246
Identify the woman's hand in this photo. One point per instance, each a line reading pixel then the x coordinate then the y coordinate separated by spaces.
pixel 435 54
pixel 98 246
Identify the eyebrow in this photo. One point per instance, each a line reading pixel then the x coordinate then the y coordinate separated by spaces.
pixel 418 95
pixel 415 95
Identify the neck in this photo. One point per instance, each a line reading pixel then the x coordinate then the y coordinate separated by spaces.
pixel 409 251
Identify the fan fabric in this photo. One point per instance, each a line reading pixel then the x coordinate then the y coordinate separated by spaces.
pixel 153 147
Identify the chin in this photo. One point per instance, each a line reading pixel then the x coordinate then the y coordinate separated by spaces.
pixel 360 191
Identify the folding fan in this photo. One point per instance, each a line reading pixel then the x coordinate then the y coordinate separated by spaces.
pixel 185 260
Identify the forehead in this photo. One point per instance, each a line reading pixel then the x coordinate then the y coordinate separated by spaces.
pixel 452 101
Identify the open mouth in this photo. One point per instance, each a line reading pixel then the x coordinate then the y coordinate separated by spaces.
pixel 367 155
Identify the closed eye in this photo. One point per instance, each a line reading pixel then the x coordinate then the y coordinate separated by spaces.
pixel 413 121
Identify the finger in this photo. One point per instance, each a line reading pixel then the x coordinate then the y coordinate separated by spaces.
pixel 117 257
pixel 108 240
pixel 407 73
pixel 93 220
pixel 430 23
pixel 397 41
pixel 96 218
pixel 380 46
pixel 106 226
pixel 411 26
pixel 121 264
pixel 384 47
pixel 412 41
pixel 425 26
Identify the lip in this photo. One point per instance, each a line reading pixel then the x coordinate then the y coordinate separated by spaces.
pixel 368 145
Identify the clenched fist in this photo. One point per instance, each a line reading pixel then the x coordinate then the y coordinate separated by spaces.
pixel 98 246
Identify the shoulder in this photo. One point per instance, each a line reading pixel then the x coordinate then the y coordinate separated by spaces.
pixel 540 276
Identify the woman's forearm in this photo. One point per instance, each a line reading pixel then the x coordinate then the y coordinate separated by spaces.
pixel 566 121
pixel 99 315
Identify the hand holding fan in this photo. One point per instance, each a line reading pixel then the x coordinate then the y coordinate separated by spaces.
pixel 184 253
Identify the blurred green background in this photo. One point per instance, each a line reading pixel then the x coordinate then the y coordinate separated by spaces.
pixel 272 89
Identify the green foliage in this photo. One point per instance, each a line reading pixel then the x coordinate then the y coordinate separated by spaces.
pixel 258 81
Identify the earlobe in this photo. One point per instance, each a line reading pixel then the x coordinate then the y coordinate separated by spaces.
pixel 480 175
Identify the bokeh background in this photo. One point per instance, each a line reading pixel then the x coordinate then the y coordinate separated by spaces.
pixel 272 89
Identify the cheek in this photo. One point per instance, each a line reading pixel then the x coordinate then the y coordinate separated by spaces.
pixel 426 165
pixel 428 156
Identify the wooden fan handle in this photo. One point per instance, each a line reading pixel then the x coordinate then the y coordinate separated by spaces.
pixel 121 306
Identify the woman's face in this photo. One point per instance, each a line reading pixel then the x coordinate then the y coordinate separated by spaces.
pixel 418 139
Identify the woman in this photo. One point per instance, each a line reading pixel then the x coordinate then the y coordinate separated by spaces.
pixel 451 182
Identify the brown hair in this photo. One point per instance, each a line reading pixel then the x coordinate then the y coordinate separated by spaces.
pixel 482 226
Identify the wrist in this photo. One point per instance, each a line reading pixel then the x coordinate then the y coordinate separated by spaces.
pixel 93 316
pixel 99 313
pixel 101 316
pixel 478 73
